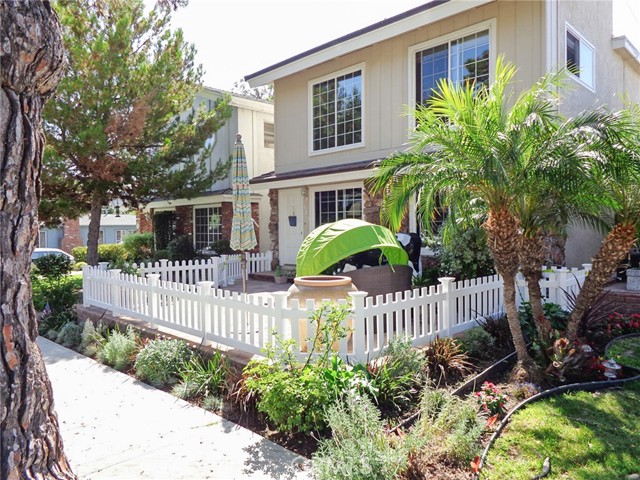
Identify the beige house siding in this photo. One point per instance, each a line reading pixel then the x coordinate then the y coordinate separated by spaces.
pixel 518 34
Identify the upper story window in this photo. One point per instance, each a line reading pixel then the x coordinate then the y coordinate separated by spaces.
pixel 580 59
pixel 269 135
pixel 337 111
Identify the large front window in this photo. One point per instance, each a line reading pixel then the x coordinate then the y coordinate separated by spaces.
pixel 207 226
pixel 337 111
pixel 462 60
pixel 334 205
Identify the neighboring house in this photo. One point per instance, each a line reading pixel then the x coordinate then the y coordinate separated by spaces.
pixel 341 106
pixel 73 233
pixel 207 217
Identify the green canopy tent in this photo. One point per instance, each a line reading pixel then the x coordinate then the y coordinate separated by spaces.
pixel 332 242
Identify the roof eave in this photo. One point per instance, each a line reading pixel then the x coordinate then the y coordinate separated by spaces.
pixel 430 12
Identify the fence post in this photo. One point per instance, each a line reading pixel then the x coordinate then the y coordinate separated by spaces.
pixel 115 291
pixel 164 272
pixel 357 327
pixel 522 292
pixel 206 290
pixel 103 265
pixel 562 286
pixel 448 310
pixel 279 306
pixel 154 278
pixel 86 289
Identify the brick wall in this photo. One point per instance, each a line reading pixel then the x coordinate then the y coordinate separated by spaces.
pixel 70 235
pixel 143 221
pixel 184 220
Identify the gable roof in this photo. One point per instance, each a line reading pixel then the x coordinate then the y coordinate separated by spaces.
pixel 388 28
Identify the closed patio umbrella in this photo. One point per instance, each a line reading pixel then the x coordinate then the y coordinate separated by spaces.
pixel 243 235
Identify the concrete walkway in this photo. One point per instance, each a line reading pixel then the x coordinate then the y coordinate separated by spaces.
pixel 115 427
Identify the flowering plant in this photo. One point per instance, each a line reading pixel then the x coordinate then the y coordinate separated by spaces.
pixel 491 399
pixel 621 324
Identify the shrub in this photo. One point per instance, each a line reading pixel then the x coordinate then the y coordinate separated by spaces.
pixel 556 316
pixel 53 266
pixel 181 248
pixel 212 403
pixel 70 335
pixel 162 255
pixel 358 447
pixel 478 343
pixel 92 338
pixel 450 426
pixel 119 349
pixel 445 360
pixel 466 255
pixel 205 377
pixel 79 253
pixel 79 266
pixel 221 247
pixel 398 375
pixel 498 328
pixel 159 362
pixel 138 246
pixel 107 252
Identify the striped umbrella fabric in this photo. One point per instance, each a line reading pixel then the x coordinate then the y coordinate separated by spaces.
pixel 243 235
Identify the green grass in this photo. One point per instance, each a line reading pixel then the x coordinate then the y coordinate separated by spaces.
pixel 587 436
pixel 626 352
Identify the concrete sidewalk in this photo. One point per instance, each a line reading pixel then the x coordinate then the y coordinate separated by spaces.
pixel 115 427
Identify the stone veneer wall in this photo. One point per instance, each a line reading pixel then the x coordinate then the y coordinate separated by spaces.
pixel 274 226
pixel 372 207
pixel 70 235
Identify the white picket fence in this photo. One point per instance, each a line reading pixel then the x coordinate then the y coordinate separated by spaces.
pixel 248 321
pixel 222 271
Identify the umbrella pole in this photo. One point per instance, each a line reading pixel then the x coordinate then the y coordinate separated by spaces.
pixel 243 268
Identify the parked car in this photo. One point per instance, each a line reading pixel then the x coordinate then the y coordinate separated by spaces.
pixel 41 252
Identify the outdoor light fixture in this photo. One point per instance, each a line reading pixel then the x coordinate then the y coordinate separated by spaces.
pixel 611 369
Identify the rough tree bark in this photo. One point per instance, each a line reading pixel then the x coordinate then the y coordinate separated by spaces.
pixel 93 235
pixel 532 256
pixel 31 65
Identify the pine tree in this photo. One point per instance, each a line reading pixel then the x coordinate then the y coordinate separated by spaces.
pixel 122 124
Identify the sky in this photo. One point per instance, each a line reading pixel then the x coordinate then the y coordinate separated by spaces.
pixel 235 38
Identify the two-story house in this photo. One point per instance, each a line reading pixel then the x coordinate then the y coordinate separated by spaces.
pixel 342 105
pixel 207 217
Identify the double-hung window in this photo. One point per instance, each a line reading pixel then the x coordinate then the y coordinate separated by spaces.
pixel 334 205
pixel 580 57
pixel 207 226
pixel 336 111
pixel 464 57
pixel 42 238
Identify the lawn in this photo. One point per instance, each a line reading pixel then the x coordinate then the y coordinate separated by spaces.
pixel 626 352
pixel 587 436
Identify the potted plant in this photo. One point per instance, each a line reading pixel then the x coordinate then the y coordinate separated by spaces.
pixel 279 276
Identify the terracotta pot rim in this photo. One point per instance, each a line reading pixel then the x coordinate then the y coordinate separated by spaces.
pixel 322 281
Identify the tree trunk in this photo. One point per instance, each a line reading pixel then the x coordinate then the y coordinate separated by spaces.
pixel 31 65
pixel 532 256
pixel 94 230
pixel 613 249
pixel 503 239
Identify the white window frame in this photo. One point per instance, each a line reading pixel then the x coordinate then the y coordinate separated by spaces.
pixel 584 44
pixel 326 188
pixel 490 25
pixel 42 234
pixel 270 139
pixel 101 239
pixel 193 221
pixel 345 71
pixel 122 233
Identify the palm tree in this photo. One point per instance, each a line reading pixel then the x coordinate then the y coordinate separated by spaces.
pixel 616 169
pixel 478 147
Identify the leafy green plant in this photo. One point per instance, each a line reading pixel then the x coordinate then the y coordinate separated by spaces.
pixel 552 312
pixel 107 252
pixel 53 266
pixel 445 360
pixel 212 403
pixel 569 361
pixel 498 328
pixel 70 335
pixel 181 248
pixel 466 255
pixel 358 448
pixel 398 375
pixel 478 343
pixel 92 338
pixel 138 246
pixel 428 277
pixel 205 376
pixel 160 361
pixel 119 349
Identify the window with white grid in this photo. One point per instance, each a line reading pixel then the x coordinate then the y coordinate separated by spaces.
pixel 337 111
pixel 334 205
pixel 207 226
pixel 42 239
pixel 463 59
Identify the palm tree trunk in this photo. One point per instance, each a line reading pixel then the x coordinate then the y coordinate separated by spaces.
pixel 613 249
pixel 503 238
pixel 93 236
pixel 532 257
pixel 32 65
